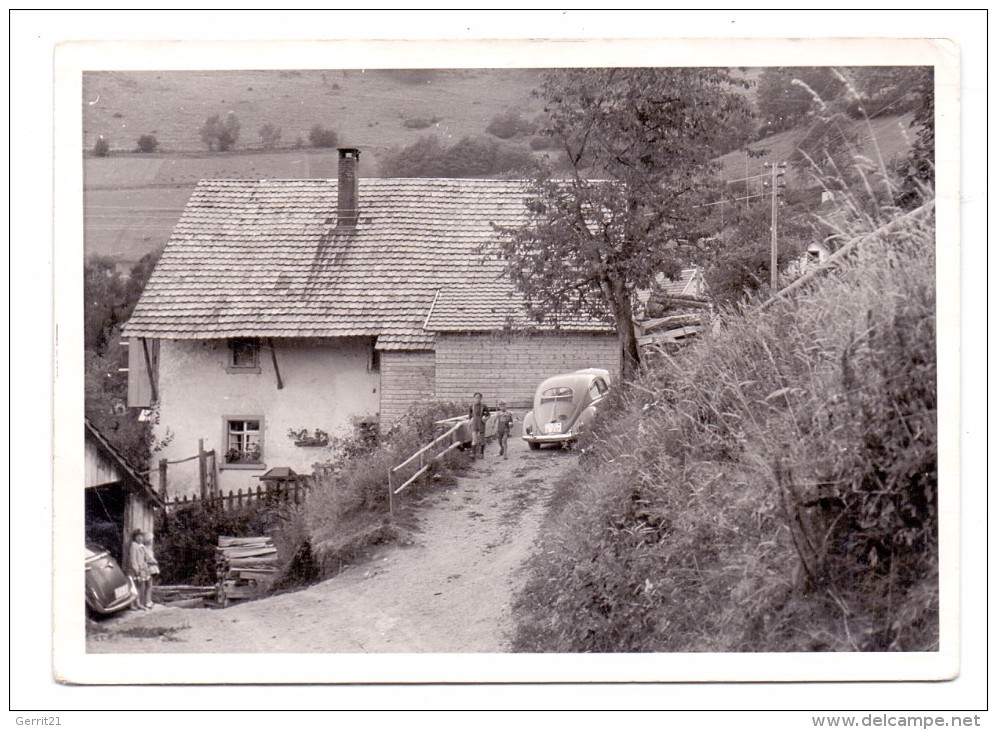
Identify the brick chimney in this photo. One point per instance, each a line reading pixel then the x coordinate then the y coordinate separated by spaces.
pixel 348 209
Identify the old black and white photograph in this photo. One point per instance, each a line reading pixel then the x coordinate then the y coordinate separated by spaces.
pixel 626 362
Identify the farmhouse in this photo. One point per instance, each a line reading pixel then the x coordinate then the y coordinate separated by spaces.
pixel 287 306
pixel 118 500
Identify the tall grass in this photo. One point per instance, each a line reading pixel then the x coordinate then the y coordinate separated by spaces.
pixel 347 508
pixel 773 487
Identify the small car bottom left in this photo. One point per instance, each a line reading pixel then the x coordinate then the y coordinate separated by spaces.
pixel 108 589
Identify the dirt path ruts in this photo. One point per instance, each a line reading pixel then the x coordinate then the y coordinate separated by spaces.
pixel 447 591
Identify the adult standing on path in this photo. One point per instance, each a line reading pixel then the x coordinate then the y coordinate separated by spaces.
pixel 478 414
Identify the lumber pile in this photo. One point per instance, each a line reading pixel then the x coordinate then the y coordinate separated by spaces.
pixel 246 567
pixel 178 593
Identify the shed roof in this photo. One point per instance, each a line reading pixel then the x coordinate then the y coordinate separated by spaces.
pixel 129 475
pixel 689 283
pixel 265 258
pixel 495 305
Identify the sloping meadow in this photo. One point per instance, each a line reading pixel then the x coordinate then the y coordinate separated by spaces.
pixel 771 488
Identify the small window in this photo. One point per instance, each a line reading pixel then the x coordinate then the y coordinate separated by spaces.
pixel 243 441
pixel 374 359
pixel 244 355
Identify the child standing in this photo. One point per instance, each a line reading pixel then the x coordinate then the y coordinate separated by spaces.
pixel 138 569
pixel 503 425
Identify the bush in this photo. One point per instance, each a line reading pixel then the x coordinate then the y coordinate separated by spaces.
pixel 101 148
pixel 347 508
pixel 221 134
pixel 509 124
pixel 469 157
pixel 270 135
pixel 321 137
pixel 186 538
pixel 147 143
pixel 420 122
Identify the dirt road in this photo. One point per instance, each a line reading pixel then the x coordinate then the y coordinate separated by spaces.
pixel 447 590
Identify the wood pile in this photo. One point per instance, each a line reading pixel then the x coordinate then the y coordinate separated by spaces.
pixel 246 567
pixel 175 594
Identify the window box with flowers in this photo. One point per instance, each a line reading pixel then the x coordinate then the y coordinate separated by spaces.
pixel 305 438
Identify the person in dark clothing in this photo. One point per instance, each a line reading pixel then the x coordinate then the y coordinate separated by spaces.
pixel 503 425
pixel 478 414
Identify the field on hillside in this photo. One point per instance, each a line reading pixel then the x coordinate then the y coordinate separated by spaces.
pixel 133 200
pixel 888 137
pixel 367 109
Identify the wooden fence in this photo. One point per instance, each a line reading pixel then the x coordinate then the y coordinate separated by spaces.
pixel 284 493
pixel 207 471
pixel 425 458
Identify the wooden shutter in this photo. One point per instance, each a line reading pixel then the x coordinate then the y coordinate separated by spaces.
pixel 141 383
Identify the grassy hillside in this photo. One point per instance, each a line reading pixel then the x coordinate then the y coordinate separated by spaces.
pixel 889 138
pixel 773 487
pixel 132 200
pixel 367 108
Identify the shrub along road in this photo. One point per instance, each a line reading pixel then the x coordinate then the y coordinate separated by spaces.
pixel 446 587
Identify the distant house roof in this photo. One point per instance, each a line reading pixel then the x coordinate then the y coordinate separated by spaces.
pixel 689 283
pixel 265 258
pixel 125 472
pixel 495 305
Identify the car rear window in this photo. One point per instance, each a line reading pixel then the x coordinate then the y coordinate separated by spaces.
pixel 558 393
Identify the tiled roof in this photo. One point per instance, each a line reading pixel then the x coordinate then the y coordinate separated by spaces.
pixel 264 258
pixel 494 305
pixel 689 283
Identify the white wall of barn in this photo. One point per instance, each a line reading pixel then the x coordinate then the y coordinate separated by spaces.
pixel 326 383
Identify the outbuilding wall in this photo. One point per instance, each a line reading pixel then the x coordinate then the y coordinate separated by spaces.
pixel 509 367
pixel 406 377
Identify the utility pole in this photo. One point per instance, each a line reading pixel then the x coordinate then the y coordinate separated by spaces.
pixel 778 170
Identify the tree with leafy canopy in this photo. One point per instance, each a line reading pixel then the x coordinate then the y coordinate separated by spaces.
pixel 221 134
pixel 638 145
pixel 270 135
pixel 109 299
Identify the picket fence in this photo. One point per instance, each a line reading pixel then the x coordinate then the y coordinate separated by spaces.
pixel 282 493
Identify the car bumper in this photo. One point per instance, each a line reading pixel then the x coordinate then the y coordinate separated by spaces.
pixel 553 438
pixel 115 606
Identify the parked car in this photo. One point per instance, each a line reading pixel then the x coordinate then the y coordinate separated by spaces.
pixel 563 407
pixel 108 589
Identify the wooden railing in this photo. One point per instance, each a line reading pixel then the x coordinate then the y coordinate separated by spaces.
pixel 425 460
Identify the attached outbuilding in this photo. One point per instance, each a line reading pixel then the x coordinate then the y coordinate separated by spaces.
pixel 118 499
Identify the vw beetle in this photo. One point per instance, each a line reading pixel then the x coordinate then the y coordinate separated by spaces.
pixel 563 407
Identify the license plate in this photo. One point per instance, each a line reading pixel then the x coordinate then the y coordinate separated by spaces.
pixel 552 427
pixel 120 592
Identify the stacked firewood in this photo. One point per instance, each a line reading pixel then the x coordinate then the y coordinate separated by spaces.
pixel 246 567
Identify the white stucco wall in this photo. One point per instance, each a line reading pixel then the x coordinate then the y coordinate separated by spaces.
pixel 326 384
